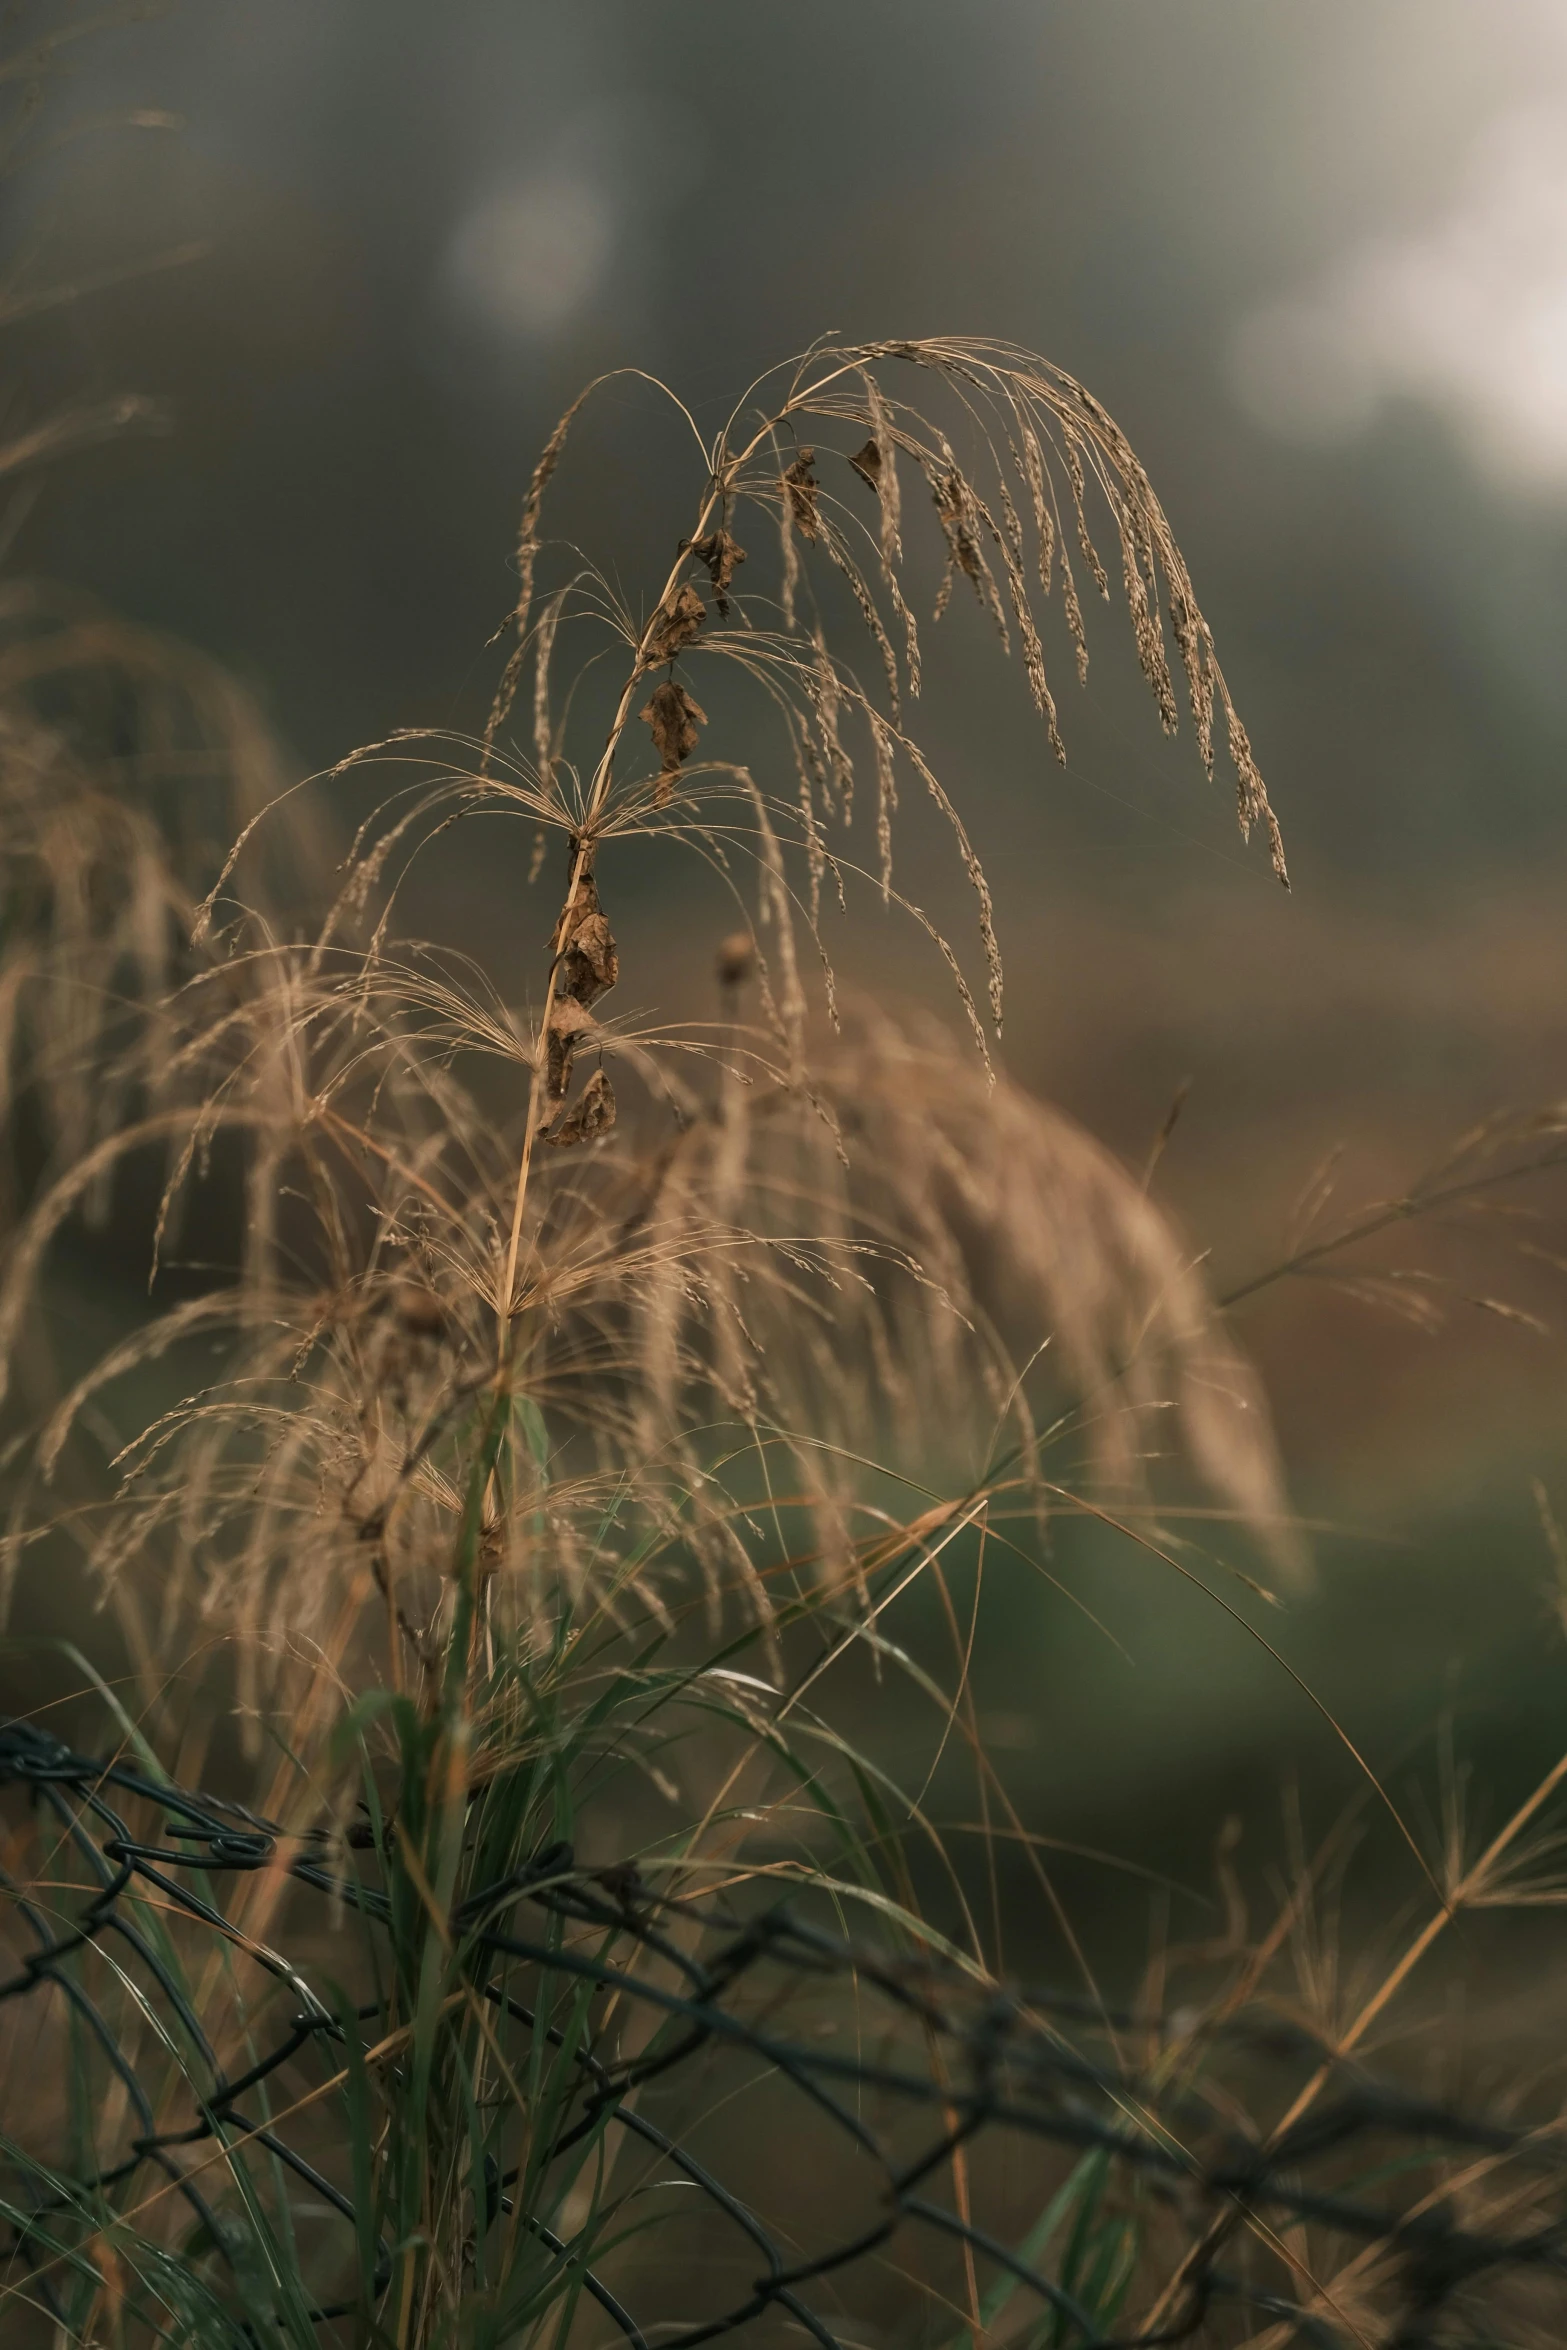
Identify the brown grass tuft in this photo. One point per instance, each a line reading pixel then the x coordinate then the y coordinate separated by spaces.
pixel 871 1235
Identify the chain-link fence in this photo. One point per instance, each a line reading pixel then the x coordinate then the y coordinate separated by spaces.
pixel 818 2137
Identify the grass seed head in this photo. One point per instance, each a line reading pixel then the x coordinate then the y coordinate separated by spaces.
pixel 793 1236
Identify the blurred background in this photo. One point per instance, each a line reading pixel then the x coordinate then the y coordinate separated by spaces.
pixel 1315 262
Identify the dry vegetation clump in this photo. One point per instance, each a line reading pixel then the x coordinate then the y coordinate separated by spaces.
pixel 585 1387
pixel 126 762
pixel 777 1240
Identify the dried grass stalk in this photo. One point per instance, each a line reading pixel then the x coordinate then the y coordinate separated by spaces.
pixel 879 1237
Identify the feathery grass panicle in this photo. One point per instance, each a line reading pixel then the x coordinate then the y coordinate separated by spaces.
pixel 556 1323
pixel 527 559
pixel 126 764
pixel 657 1273
pixel 559 1330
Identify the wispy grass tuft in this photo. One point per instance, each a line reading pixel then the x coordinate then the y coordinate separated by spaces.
pixel 588 1388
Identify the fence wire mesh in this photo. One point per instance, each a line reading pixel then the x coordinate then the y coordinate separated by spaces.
pixel 799 2134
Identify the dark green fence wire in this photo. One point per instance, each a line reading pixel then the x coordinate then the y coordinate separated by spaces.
pixel 946 2080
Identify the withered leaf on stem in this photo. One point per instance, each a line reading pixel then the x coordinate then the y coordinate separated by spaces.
pixel 674 625
pixel 867 464
pixel 802 490
pixel 592 1115
pixel 674 719
pixel 569 1023
pixel 719 554
pixel 589 963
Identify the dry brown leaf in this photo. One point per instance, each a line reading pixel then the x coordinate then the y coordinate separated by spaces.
pixel 719 554
pixel 569 1023
pixel 674 625
pixel 674 719
pixel 591 1116
pixel 592 963
pixel 801 491
pixel 589 963
pixel 867 464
